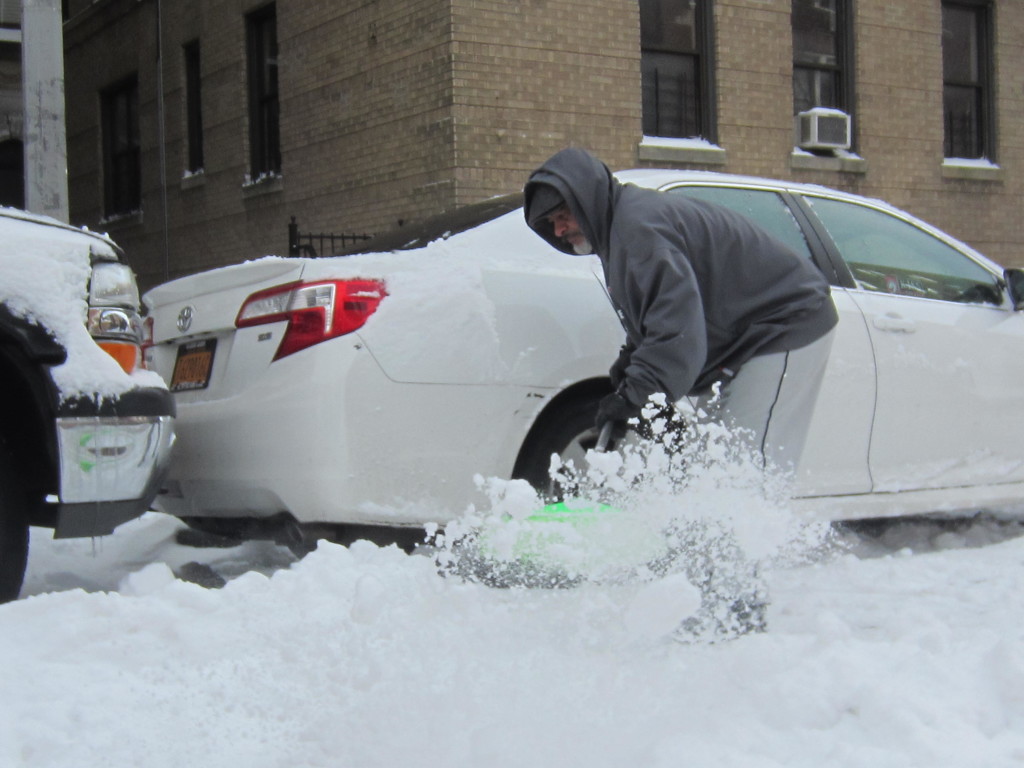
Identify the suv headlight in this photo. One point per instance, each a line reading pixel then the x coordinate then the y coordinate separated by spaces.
pixel 113 319
pixel 113 284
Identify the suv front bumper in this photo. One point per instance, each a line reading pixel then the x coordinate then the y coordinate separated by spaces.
pixel 113 457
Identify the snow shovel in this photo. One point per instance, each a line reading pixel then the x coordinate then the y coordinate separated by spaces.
pixel 575 510
pixel 560 542
pixel 578 540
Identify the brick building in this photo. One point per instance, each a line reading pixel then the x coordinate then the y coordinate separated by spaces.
pixel 363 115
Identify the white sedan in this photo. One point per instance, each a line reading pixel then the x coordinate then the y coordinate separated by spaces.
pixel 369 389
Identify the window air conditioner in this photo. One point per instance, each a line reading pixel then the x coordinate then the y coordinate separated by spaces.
pixel 823 128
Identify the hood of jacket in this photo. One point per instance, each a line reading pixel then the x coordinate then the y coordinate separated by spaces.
pixel 589 189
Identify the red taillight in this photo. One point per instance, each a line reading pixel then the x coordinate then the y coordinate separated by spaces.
pixel 314 312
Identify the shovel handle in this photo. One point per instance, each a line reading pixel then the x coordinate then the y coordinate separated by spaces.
pixel 604 437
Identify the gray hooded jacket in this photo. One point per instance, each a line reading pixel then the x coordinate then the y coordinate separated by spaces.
pixel 698 287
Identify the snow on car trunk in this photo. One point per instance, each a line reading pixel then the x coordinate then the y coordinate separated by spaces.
pixel 439 292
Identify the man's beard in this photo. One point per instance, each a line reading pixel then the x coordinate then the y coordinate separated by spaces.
pixel 583 248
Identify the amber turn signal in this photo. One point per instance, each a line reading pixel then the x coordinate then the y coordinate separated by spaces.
pixel 125 353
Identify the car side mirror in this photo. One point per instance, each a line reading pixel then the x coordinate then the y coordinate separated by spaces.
pixel 1015 285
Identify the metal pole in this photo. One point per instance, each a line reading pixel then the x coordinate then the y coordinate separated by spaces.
pixel 45 137
pixel 162 139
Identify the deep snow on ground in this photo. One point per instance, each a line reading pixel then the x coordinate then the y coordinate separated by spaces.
pixel 900 650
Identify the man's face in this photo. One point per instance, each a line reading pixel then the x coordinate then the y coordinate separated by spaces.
pixel 566 228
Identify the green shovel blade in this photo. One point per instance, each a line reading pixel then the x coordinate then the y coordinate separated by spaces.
pixel 574 512
pixel 577 536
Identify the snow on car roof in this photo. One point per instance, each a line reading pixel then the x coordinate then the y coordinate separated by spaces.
pixel 436 250
pixel 658 178
pixel 445 257
pixel 450 223
pixel 661 177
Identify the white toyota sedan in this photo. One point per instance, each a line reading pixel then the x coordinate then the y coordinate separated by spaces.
pixel 369 389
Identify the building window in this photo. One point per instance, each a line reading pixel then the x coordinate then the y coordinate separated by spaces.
pixel 966 71
pixel 675 63
pixel 122 177
pixel 822 51
pixel 264 133
pixel 12 173
pixel 12 160
pixel 193 106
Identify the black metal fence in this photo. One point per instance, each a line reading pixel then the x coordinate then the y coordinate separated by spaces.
pixel 302 244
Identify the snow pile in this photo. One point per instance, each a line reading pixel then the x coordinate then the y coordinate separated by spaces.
pixel 367 657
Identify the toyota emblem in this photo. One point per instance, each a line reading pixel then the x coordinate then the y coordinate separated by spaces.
pixel 185 318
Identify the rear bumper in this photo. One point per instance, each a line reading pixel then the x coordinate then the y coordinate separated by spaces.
pixel 113 458
pixel 325 436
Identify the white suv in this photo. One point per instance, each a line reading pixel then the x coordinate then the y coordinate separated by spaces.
pixel 85 432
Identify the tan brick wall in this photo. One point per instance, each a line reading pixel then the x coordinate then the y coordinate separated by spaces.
pixel 899 90
pixel 534 77
pixel 754 80
pixel 899 112
pixel 395 109
pixel 366 127
pixel 366 116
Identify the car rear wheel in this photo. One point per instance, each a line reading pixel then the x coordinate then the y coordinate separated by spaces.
pixel 568 432
pixel 13 529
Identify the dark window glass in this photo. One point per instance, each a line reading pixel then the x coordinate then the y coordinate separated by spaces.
pixel 264 133
pixel 122 178
pixel 12 173
pixel 764 207
pixel 675 68
pixel 965 68
pixel 193 106
pixel 821 53
pixel 890 255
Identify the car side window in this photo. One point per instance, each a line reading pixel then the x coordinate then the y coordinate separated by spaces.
pixel 764 207
pixel 890 255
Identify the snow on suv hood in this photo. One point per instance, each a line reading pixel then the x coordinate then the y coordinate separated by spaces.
pixel 44 277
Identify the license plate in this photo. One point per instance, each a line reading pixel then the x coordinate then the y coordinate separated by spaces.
pixel 193 366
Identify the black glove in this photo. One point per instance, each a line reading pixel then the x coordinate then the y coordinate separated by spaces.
pixel 616 409
pixel 617 373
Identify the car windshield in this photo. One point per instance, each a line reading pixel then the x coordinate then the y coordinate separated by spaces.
pixel 439 227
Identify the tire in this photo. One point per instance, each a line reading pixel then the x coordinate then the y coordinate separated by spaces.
pixel 13 530
pixel 569 432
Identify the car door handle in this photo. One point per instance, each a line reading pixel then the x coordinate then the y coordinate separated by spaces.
pixel 893 323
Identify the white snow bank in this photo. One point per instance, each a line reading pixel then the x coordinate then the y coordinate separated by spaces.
pixel 367 657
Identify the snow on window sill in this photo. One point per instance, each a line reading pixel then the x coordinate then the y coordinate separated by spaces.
pixel 192 179
pixel 117 221
pixel 671 150
pixel 839 160
pixel 263 184
pixel 972 169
